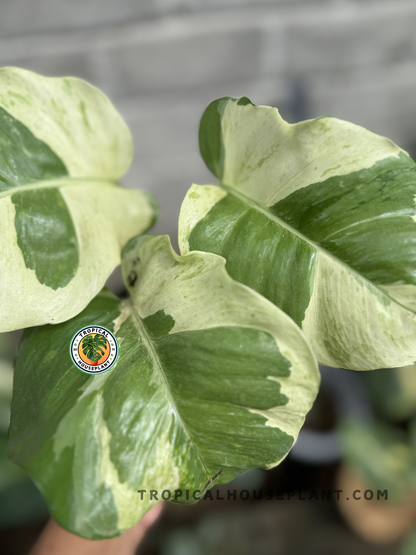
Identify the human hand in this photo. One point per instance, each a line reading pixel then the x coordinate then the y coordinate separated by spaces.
pixel 54 540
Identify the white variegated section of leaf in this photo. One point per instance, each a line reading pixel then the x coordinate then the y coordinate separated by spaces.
pixel 196 205
pixel 102 229
pixel 302 153
pixel 194 208
pixel 359 323
pixel 403 293
pixel 130 507
pixel 76 120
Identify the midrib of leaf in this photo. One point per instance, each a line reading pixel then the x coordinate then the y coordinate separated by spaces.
pixel 157 364
pixel 264 210
pixel 65 181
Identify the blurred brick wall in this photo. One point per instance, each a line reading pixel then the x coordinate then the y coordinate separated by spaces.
pixel 162 61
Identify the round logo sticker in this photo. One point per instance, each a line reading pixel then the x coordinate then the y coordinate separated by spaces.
pixel 94 349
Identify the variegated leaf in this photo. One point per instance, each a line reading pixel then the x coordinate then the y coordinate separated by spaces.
pixel 212 379
pixel 319 217
pixel 64 219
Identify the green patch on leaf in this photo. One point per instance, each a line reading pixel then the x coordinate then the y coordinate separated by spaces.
pixel 364 218
pixel 159 324
pixel 24 158
pixel 254 246
pixel 46 236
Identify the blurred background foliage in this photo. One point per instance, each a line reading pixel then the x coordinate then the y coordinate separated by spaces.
pixel 20 501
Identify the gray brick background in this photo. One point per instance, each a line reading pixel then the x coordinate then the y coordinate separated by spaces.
pixel 163 61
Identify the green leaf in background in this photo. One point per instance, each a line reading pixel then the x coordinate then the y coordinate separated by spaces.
pixel 319 217
pixel 20 501
pixel 408 547
pixel 211 380
pixel 393 391
pixel 382 455
pixel 63 147
pixel 6 381
pixel 8 350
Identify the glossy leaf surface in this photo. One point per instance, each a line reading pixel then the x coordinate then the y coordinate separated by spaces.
pixel 319 217
pixel 211 380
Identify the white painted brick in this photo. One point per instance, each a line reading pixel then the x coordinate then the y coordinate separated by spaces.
pixel 181 63
pixel 137 59
pixel 20 17
pixel 352 37
pixel 381 99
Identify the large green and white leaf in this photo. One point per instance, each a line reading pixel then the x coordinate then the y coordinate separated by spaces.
pixel 64 219
pixel 320 218
pixel 212 379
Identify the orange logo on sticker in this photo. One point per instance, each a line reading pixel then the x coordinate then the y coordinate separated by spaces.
pixel 94 349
